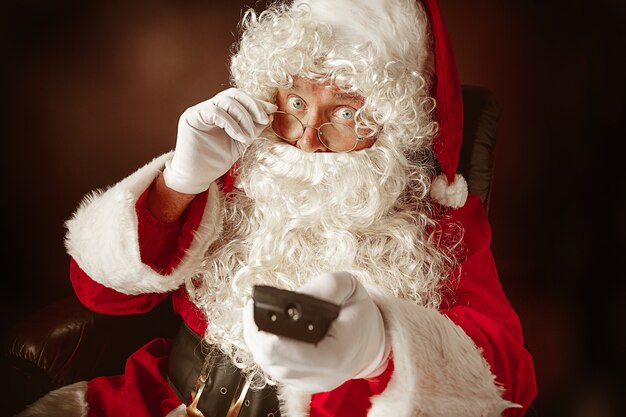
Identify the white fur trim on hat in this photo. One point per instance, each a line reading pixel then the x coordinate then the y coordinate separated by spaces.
pixel 102 236
pixel 396 29
pixel 451 195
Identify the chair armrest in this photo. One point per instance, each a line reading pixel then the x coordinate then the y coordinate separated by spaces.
pixel 66 342
pixel 476 160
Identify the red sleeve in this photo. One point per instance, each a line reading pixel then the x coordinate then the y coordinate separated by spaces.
pixel 161 246
pixel 106 300
pixel 479 306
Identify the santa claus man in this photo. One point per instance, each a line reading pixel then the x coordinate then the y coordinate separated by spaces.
pixel 314 173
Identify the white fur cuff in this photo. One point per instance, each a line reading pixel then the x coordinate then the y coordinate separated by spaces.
pixel 452 195
pixel 67 401
pixel 438 370
pixel 102 236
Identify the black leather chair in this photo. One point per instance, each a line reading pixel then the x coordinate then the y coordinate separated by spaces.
pixel 66 342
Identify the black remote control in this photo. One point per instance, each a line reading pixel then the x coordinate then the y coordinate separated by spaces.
pixel 292 314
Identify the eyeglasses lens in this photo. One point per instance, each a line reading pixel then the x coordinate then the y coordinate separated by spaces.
pixel 287 126
pixel 335 136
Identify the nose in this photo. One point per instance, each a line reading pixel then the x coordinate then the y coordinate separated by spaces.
pixel 309 141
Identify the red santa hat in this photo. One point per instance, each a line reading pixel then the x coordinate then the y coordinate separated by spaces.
pixel 386 25
pixel 449 188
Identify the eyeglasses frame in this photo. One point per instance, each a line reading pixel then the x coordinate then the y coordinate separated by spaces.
pixel 319 135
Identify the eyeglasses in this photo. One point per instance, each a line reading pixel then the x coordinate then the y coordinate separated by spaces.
pixel 335 136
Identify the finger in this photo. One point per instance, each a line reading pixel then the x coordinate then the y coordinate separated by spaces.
pixel 221 118
pixel 258 109
pixel 269 107
pixel 238 112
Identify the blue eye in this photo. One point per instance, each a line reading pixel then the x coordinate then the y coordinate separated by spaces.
pixel 345 113
pixel 295 103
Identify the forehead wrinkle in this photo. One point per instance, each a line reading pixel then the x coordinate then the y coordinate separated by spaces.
pixel 353 98
pixel 301 86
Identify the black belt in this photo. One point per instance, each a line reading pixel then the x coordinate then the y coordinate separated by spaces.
pixel 210 385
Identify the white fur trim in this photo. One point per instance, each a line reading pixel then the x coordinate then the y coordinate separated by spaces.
pixel 293 403
pixel 452 195
pixel 67 401
pixel 180 411
pixel 381 23
pixel 438 370
pixel 102 236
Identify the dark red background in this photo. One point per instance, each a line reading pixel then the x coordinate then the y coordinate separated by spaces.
pixel 93 89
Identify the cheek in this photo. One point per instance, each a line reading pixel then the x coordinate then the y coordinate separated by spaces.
pixel 286 142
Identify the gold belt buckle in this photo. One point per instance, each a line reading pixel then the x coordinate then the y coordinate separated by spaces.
pixel 198 389
pixel 198 386
pixel 235 404
pixel 192 408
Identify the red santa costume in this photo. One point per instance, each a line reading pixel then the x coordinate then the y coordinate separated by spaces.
pixel 456 345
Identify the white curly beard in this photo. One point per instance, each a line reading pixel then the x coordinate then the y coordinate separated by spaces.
pixel 299 214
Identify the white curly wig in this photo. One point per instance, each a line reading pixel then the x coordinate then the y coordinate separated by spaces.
pixel 381 52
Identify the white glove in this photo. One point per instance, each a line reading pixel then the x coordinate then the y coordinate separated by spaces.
pixel 354 347
pixel 212 136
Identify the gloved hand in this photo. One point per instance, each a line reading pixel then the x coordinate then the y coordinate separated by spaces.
pixel 354 347
pixel 212 136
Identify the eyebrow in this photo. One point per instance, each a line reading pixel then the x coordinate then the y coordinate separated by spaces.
pixel 340 95
pixel 348 96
